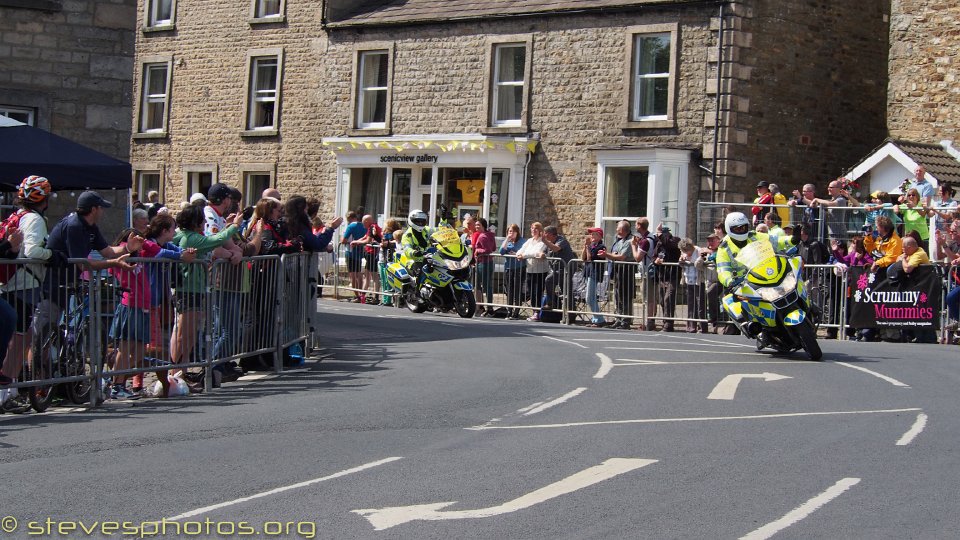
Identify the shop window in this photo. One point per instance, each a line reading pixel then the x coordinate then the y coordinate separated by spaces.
pixel 651 183
pixel 652 81
pixel 400 186
pixel 367 187
pixel 625 196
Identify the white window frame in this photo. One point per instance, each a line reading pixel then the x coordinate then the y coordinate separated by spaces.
pixel 191 175
pixel 257 11
pixel 251 195
pixel 360 92
pixel 492 95
pixel 151 21
pixel 10 110
pixel 633 77
pixel 658 161
pixel 252 100
pixel 142 189
pixel 500 85
pixel 147 66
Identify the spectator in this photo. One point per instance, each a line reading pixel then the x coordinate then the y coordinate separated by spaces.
pixel 879 205
pixel 593 251
pixel 469 223
pixel 943 212
pixel 762 228
pixel 644 248
pixel 9 249
pixel 271 193
pixel 513 270
pixel 299 227
pixel 836 219
pixel 135 202
pixel 912 257
pixel 772 221
pixel 623 273
pixel 75 236
pixel 23 290
pixel 388 248
pixel 923 187
pixel 534 252
pixel 354 253
pixel 884 244
pixel 139 220
pixel 130 328
pixel 370 244
pixel 484 243
pixel 810 218
pixel 689 256
pixel 668 275
pixel 951 250
pixel 782 211
pixel 855 254
pixel 764 196
pixel 558 249
pixel 914 215
pixel 191 293
pixel 153 197
pixel 707 265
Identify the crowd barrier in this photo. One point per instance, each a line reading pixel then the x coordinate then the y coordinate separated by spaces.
pixel 73 341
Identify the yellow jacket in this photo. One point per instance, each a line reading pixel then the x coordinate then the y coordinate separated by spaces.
pixel 783 212
pixel 889 248
pixel 728 269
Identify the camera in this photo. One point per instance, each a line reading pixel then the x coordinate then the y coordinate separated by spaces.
pixel 247 213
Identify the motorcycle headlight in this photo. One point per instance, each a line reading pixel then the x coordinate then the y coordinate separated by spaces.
pixel 787 286
pixel 458 265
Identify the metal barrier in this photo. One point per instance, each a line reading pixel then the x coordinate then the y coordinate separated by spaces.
pixel 359 272
pixel 504 282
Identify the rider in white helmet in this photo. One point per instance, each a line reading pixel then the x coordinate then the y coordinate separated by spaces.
pixel 416 239
pixel 739 234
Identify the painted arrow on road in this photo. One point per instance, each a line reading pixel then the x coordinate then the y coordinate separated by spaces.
pixel 384 518
pixel 727 388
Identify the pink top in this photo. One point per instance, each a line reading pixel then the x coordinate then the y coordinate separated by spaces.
pixel 136 283
pixel 484 243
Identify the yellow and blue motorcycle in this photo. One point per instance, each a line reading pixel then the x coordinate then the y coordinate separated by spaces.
pixel 773 296
pixel 441 280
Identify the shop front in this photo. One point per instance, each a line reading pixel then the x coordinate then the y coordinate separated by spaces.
pixel 469 174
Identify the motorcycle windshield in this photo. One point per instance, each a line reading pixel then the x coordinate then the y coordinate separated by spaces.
pixel 755 254
pixel 445 236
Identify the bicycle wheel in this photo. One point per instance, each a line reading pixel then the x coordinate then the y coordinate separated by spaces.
pixel 46 353
pixel 77 362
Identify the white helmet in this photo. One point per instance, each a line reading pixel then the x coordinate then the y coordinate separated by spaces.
pixel 737 226
pixel 417 219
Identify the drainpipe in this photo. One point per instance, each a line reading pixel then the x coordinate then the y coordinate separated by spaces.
pixel 716 118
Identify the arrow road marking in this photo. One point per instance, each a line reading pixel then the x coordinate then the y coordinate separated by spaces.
pixel 727 388
pixel 384 518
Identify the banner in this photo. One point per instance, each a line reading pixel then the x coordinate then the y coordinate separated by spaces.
pixel 914 302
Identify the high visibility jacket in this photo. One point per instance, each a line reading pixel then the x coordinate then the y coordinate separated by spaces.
pixel 729 270
pixel 888 249
pixel 412 241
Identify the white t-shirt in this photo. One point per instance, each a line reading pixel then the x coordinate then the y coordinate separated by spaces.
pixel 213 222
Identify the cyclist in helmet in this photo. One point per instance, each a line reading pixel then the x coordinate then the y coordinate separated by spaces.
pixel 416 239
pixel 729 271
pixel 22 290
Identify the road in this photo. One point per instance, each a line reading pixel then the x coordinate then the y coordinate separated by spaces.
pixel 430 426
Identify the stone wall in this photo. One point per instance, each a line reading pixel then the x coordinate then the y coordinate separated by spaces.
pixel 924 92
pixel 72 63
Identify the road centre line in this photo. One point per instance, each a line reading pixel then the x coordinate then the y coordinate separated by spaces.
pixel 275 491
pixel 802 511
pixel 694 419
pixel 890 380
pixel 685 350
pixel 566 397
pixel 914 430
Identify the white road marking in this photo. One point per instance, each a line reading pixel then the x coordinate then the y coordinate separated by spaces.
pixel 684 350
pixel 713 341
pixel 631 362
pixel 385 518
pixel 890 380
pixel 649 341
pixel 802 511
pixel 914 430
pixel 206 509
pixel 727 388
pixel 554 339
pixel 694 419
pixel 605 366
pixel 566 397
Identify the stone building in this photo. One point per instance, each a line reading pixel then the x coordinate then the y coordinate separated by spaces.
pixel 66 66
pixel 573 112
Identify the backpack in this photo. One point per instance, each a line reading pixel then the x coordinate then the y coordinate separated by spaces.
pixel 9 225
pixel 650 256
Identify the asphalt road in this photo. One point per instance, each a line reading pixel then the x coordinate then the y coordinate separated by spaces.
pixel 430 426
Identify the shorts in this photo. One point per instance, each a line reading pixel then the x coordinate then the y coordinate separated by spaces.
pixel 130 324
pixel 190 301
pixel 373 260
pixel 354 263
pixel 24 303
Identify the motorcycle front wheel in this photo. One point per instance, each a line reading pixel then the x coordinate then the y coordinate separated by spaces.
pixel 414 304
pixel 807 334
pixel 465 303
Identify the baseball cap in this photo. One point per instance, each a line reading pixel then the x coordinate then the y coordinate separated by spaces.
pixel 197 197
pixel 595 230
pixel 90 199
pixel 875 194
pixel 764 184
pixel 218 192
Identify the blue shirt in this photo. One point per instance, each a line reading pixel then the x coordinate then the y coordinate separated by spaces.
pixel 354 231
pixel 510 248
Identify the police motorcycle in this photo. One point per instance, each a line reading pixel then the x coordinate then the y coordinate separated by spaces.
pixel 772 298
pixel 441 279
